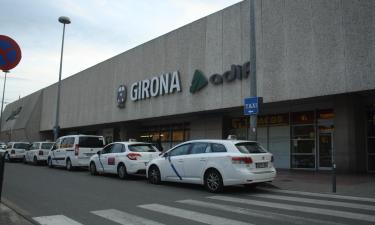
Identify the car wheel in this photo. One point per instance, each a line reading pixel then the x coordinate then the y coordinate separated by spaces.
pixel 93 169
pixel 69 166
pixel 24 160
pixel 35 160
pixel 7 157
pixel 49 162
pixel 121 171
pixel 154 176
pixel 213 181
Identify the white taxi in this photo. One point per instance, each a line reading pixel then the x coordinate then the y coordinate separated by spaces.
pixel 38 152
pixel 214 164
pixel 123 158
pixel 16 151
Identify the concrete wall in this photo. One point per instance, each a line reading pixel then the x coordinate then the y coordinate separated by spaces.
pixel 305 48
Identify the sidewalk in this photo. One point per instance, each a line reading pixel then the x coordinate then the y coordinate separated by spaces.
pixel 10 217
pixel 362 185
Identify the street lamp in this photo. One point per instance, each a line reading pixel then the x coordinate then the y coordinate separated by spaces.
pixel 64 20
pixel 2 101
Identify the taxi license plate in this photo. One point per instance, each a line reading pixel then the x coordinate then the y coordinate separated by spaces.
pixel 261 165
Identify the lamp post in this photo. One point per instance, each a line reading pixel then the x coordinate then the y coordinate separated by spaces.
pixel 2 101
pixel 64 20
pixel 253 79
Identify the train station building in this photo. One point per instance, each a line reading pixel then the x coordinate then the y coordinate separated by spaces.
pixel 315 72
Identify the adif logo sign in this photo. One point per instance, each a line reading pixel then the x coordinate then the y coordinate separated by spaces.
pixel 236 72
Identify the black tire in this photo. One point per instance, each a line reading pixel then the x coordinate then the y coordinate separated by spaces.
pixel 154 176
pixel 49 162
pixel 121 171
pixel 213 181
pixel 35 161
pixel 93 170
pixel 68 164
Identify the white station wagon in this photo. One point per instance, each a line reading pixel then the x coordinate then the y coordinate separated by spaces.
pixel 38 152
pixel 214 164
pixel 123 158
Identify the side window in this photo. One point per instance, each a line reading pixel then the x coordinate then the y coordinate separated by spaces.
pixel 181 150
pixel 58 143
pixel 9 146
pixel 64 143
pixel 117 148
pixel 218 148
pixel 107 149
pixel 34 146
pixel 198 148
pixel 70 142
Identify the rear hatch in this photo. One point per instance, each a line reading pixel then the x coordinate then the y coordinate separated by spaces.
pixel 253 156
pixel 89 145
pixel 45 147
pixel 143 152
pixel 20 148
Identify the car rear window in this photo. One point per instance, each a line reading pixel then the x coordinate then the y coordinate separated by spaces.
pixel 250 147
pixel 21 146
pixel 47 145
pixel 91 142
pixel 142 148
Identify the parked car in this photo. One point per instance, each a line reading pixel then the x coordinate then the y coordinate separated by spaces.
pixel 214 164
pixel 123 158
pixel 38 152
pixel 16 151
pixel 74 151
pixel 3 145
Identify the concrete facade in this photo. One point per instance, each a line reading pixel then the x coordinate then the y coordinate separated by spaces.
pixel 311 54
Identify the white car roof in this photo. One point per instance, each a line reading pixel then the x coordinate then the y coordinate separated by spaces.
pixel 222 141
pixel 131 142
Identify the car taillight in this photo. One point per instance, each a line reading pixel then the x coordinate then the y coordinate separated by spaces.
pixel 133 156
pixel 12 152
pixel 272 159
pixel 242 160
pixel 40 152
pixel 76 150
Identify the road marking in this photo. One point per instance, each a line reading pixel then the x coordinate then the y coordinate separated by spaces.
pixel 316 201
pixel 124 218
pixel 56 220
pixel 191 215
pixel 312 194
pixel 306 209
pixel 257 213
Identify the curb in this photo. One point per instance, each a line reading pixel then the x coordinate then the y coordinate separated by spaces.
pixel 19 211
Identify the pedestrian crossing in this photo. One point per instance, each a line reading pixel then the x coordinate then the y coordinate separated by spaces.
pixel 258 208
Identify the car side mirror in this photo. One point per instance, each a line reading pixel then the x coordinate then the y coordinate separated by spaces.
pixel 166 155
pixel 99 153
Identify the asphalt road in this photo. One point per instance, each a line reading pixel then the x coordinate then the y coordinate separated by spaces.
pixel 79 198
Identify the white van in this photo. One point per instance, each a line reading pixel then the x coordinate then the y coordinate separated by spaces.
pixel 74 151
pixel 16 151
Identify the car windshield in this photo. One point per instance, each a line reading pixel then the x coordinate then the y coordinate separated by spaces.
pixel 142 148
pixel 91 142
pixel 47 145
pixel 21 146
pixel 250 147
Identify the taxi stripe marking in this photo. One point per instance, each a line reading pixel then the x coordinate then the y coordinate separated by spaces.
pixel 312 194
pixel 257 213
pixel 305 209
pixel 124 218
pixel 316 201
pixel 56 220
pixel 192 215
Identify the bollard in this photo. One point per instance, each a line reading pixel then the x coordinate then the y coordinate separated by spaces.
pixel 2 162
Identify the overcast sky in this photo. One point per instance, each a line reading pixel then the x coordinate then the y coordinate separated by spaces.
pixel 100 29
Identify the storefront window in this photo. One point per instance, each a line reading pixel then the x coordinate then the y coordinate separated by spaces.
pixel 166 136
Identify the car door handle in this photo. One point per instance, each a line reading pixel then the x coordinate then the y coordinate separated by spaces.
pixel 180 160
pixel 203 159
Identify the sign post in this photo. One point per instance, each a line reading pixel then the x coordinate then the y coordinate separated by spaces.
pixel 251 108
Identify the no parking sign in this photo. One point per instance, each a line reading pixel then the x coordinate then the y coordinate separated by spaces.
pixel 10 53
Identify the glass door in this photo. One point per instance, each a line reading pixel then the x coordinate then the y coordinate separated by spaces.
pixel 325 150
